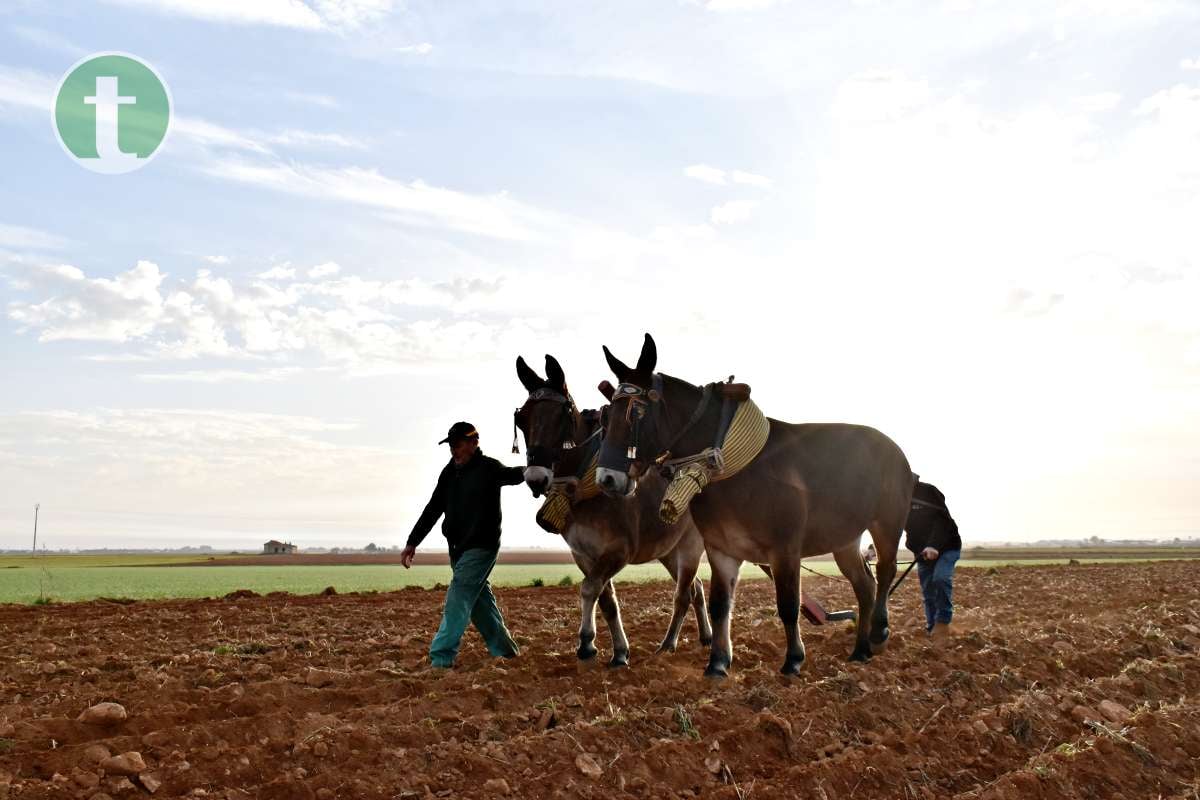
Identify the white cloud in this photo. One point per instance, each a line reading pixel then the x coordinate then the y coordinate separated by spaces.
pixel 703 172
pixel 349 323
pixel 414 202
pixel 315 15
pixel 720 177
pixel 750 179
pixel 1098 103
pixel 220 260
pixel 739 5
pixel 732 212
pixel 313 99
pixel 299 138
pixel 281 272
pixel 22 238
pixel 422 49
pixel 221 375
pixel 324 270
pixel 1190 63
pixel 48 40
pixel 25 87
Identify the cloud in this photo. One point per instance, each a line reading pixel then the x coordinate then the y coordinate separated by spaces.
pixel 739 5
pixel 1190 63
pixel 22 238
pixel 1098 103
pixel 221 375
pixel 414 202
pixel 703 172
pixel 422 49
pixel 299 138
pixel 220 260
pixel 281 272
pixel 313 99
pixel 25 87
pixel 732 212
pixel 315 15
pixel 750 179
pixel 357 325
pixel 324 270
pixel 720 177
pixel 48 40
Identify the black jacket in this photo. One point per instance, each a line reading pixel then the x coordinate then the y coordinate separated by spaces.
pixel 929 521
pixel 469 496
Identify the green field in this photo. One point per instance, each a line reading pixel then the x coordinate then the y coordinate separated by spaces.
pixel 71 578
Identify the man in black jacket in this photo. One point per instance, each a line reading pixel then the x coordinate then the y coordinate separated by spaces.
pixel 468 494
pixel 933 538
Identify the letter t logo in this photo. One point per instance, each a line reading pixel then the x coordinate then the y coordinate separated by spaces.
pixel 107 100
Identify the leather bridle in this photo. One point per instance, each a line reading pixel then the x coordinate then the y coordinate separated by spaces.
pixel 644 408
pixel 568 417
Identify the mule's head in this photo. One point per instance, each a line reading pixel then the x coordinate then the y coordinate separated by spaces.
pixel 549 421
pixel 630 440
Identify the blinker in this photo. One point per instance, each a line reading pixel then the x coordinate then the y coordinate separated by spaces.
pixel 631 453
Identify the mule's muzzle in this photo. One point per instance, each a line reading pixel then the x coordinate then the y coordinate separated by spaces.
pixel 538 479
pixel 615 483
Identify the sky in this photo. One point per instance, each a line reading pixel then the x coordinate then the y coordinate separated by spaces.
pixel 969 224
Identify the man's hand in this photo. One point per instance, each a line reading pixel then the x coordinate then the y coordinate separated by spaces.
pixel 406 556
pixel 929 554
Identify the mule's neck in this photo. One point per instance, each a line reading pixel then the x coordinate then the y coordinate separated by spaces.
pixel 678 404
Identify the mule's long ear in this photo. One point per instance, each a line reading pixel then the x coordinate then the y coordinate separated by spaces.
pixel 616 365
pixel 529 378
pixel 554 374
pixel 607 390
pixel 648 360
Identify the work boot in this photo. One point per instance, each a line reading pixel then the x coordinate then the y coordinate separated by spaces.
pixel 940 635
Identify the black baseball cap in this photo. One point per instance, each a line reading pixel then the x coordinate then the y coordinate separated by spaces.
pixel 459 431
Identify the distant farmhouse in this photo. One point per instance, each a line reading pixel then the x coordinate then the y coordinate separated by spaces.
pixel 273 548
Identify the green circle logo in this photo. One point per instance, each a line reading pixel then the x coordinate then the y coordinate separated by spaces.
pixel 111 113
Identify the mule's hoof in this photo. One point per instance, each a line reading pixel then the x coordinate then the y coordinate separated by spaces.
pixel 792 666
pixel 586 652
pixel 717 669
pixel 665 648
pixel 620 659
pixel 860 655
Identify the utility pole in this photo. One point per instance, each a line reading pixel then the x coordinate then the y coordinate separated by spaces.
pixel 36 508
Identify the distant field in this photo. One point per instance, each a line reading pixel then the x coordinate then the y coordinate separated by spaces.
pixel 71 578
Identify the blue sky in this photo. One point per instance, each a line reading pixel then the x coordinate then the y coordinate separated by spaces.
pixel 970 224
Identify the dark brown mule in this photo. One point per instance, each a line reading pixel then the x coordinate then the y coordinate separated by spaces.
pixel 813 489
pixel 605 534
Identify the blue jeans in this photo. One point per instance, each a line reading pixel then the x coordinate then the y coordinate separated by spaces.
pixel 937 585
pixel 470 599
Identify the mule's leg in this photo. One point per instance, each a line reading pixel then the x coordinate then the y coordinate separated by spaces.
pixel 850 562
pixel 720 608
pixel 684 575
pixel 702 623
pixel 887 542
pixel 589 591
pixel 787 603
pixel 612 615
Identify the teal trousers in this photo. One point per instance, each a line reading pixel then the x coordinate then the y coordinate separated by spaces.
pixel 470 600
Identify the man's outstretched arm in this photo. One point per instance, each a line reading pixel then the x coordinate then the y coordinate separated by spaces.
pixel 433 509
pixel 510 476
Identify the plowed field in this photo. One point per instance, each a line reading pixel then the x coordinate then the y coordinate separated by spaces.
pixel 1063 682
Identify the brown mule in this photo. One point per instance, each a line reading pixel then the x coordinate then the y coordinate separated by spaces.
pixel 605 534
pixel 813 489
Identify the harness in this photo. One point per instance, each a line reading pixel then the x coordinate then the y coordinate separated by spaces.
pixel 567 490
pixel 741 433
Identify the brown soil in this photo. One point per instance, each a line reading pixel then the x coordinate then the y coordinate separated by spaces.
pixel 219 705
